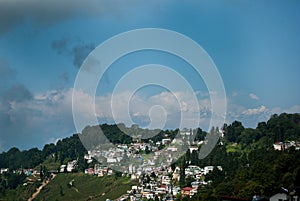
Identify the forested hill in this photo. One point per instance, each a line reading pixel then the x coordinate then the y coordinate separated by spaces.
pixel 67 148
pixel 71 148
pixel 281 127
pixel 251 165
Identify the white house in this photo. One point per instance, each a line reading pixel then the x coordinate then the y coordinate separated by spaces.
pixel 71 165
pixel 278 146
pixel 193 149
pixel 173 149
pixel 166 141
pixel 195 184
pixel 111 160
pixel 176 190
pixel 165 180
pixel 62 168
pixel 4 170
pixel 208 169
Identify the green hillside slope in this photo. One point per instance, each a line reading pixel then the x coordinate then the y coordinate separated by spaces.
pixel 84 187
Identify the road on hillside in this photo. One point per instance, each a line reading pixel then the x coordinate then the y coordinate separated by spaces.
pixel 38 190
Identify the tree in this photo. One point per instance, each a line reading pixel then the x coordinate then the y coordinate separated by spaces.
pixel 2 186
pixel 41 173
pixel 173 166
pixel 194 158
pixel 248 136
pixel 233 131
pixel 216 175
pixel 61 191
pixel 147 151
pixel 81 164
pixel 200 134
pixel 182 172
pixel 188 156
pixel 48 150
pixel 14 179
pixel 153 175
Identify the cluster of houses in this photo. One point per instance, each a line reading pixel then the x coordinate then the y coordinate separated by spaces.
pixel 27 172
pixel 99 170
pixel 32 174
pixel 160 152
pixel 155 176
pixel 163 183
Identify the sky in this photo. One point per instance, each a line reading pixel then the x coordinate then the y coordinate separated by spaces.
pixel 254 45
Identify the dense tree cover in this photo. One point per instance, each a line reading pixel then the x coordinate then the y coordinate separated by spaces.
pixel 71 148
pixel 261 172
pixel 115 135
pixel 233 131
pixel 93 136
pixel 67 149
pixel 256 168
pixel 15 158
pixel 278 128
pixel 283 127
pixel 200 134
pixel 10 180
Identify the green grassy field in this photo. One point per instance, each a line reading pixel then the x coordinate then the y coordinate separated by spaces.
pixel 233 147
pixel 84 187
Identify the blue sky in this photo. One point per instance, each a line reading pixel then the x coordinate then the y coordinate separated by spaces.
pixel 254 44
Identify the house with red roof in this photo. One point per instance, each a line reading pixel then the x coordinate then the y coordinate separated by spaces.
pixel 188 191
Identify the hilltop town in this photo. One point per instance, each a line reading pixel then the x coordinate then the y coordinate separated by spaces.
pixel 240 156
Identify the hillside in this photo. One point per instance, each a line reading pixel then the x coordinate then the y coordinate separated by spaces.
pixel 254 161
pixel 78 186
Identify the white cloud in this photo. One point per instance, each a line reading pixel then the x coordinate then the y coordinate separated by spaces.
pixel 254 111
pixel 48 116
pixel 172 106
pixel 253 96
pixel 34 121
